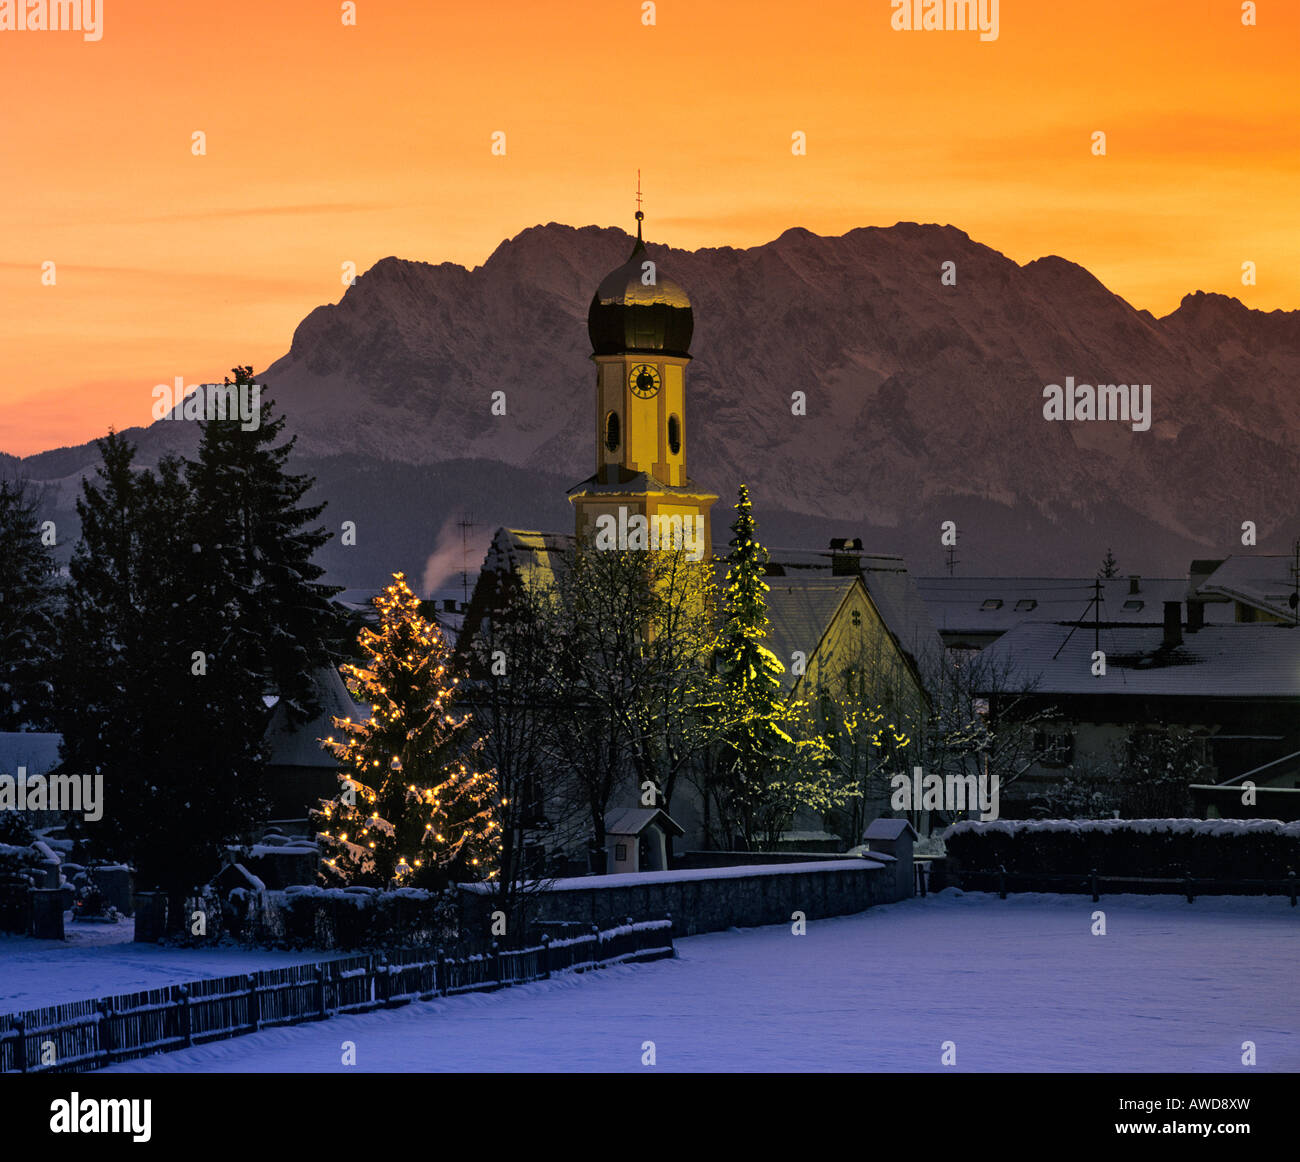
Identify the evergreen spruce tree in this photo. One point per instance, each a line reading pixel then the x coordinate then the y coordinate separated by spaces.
pixel 194 596
pixel 753 698
pixel 254 547
pixel 1109 566
pixel 29 596
pixel 144 699
pixel 99 664
pixel 416 806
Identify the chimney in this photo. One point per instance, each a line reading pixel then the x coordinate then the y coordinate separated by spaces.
pixel 449 605
pixel 1195 616
pixel 1134 583
pixel 1173 625
pixel 846 557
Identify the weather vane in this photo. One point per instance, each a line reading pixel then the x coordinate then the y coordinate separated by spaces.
pixel 639 214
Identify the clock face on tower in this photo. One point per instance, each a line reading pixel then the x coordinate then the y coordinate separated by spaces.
pixel 643 379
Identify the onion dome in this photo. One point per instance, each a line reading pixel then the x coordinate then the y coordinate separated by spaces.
pixel 627 315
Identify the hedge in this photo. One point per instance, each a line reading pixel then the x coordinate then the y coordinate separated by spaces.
pixel 1227 849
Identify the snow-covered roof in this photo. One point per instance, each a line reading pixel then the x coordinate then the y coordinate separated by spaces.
pixel 449 620
pixel 1265 582
pixel 798 618
pixel 993 605
pixel 890 586
pixel 36 750
pixel 289 747
pixel 799 611
pixel 889 829
pixel 1256 660
pixel 519 550
pixel 634 820
pixel 1210 827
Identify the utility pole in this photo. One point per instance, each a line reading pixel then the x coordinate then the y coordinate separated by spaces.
pixel 1096 620
pixel 1295 573
pixel 1094 603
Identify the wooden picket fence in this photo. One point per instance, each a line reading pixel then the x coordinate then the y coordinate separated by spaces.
pixel 85 1035
pixel 1002 881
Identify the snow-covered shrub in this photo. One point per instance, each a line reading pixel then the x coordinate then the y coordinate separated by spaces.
pixel 308 916
pixel 14 831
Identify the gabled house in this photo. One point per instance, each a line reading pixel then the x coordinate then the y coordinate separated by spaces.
pixel 839 622
pixel 299 771
pixel 1235 686
pixel 830 635
pixel 973 612
pixel 1250 588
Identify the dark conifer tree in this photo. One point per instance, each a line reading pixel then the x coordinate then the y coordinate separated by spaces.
pixel 255 541
pixel 29 597
pixel 135 704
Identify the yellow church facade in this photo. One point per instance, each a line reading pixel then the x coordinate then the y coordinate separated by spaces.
pixel 640 324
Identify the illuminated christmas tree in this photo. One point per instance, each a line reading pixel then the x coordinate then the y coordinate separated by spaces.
pixel 772 759
pixel 413 809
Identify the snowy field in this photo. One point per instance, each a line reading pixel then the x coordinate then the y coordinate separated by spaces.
pixel 99 960
pixel 1018 984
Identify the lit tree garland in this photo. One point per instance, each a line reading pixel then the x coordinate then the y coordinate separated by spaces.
pixel 412 808
pixel 772 759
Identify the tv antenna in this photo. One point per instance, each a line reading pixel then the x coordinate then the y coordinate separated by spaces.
pixel 465 523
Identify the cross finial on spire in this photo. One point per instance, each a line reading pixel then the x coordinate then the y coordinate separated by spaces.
pixel 639 214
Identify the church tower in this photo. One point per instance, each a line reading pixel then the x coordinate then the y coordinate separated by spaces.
pixel 640 324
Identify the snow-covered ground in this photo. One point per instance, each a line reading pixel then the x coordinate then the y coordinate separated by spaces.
pixel 99 960
pixel 1019 985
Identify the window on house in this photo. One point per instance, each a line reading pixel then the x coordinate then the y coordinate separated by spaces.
pixel 1133 606
pixel 620 853
pixel 674 435
pixel 992 603
pixel 1054 748
pixel 613 437
pixel 1025 604
pixel 857 617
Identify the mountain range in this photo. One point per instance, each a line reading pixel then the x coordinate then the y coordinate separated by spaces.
pixel 924 404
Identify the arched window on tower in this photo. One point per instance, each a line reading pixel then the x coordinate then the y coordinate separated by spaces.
pixel 613 437
pixel 674 435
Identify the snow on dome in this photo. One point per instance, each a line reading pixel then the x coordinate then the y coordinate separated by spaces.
pixel 627 314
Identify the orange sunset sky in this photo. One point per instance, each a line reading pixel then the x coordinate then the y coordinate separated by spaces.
pixel 328 144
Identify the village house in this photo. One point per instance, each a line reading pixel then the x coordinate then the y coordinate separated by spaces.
pixel 1096 691
pixel 973 612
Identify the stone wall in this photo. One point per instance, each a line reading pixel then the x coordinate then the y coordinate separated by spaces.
pixel 710 900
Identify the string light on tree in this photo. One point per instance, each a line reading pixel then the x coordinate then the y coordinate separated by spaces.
pixel 411 790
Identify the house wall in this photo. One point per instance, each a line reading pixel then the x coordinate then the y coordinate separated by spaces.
pixel 1253 731
pixel 868 648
